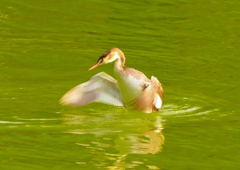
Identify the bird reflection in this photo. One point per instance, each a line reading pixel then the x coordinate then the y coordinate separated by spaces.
pixel 120 139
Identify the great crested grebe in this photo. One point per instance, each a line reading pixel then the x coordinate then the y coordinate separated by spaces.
pixel 131 89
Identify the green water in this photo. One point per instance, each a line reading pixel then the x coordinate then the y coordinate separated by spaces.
pixel 192 47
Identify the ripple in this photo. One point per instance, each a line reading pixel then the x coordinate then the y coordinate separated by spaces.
pixel 191 105
pixel 186 111
pixel 9 122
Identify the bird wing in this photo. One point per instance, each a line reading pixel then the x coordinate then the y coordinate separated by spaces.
pixel 100 88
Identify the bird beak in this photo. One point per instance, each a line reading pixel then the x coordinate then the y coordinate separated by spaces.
pixel 93 67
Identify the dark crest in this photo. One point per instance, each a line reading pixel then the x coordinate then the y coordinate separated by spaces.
pixel 104 55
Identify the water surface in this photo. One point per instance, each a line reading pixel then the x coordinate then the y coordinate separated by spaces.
pixel 191 47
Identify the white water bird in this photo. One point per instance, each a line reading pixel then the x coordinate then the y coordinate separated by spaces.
pixel 131 87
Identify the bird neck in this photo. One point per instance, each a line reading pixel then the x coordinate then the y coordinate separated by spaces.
pixel 120 61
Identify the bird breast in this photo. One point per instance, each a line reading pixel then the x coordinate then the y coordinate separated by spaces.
pixel 129 86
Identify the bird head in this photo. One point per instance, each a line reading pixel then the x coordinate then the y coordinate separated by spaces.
pixel 107 57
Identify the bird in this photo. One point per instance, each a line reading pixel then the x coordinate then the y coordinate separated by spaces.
pixel 131 88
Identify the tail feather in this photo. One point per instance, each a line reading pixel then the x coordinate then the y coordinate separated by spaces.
pixel 151 98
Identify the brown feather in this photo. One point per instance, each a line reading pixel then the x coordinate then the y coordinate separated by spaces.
pixel 144 102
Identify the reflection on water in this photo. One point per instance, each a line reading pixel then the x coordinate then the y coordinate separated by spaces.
pixel 111 138
pixel 125 137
